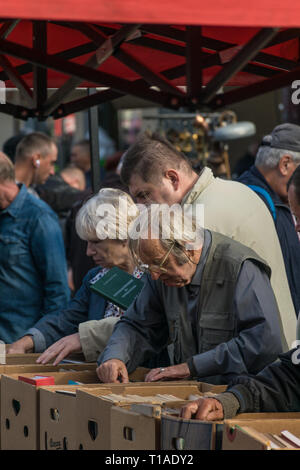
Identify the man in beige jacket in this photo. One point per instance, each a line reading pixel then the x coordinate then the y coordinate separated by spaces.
pixel 156 172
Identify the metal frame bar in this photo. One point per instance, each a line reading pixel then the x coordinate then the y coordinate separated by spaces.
pixel 279 81
pixel 19 112
pixel 209 59
pixel 7 28
pixel 94 144
pixel 238 62
pixel 39 30
pixel 194 62
pixel 94 76
pixel 217 45
pixel 17 80
pixel 105 50
pixel 71 53
pixel 151 77
pixel 81 104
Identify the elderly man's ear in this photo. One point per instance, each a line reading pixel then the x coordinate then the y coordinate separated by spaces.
pixel 284 165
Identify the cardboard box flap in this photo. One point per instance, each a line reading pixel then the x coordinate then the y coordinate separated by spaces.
pixel 257 434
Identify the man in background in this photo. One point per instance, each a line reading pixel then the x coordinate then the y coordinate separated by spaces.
pixel 35 159
pixel 33 271
pixel 80 157
pixel 277 158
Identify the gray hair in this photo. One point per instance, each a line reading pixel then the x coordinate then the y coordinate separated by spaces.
pixel 269 157
pixel 106 215
pixel 171 226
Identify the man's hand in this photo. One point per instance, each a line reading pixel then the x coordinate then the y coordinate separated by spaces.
pixel 206 409
pixel 181 371
pixel 61 349
pixel 113 371
pixel 22 346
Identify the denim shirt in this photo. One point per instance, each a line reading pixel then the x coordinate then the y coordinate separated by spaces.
pixel 33 270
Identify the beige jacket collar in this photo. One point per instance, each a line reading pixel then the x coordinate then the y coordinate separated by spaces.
pixel 205 179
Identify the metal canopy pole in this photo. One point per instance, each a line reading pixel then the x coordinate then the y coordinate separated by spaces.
pixel 39 29
pixel 194 62
pixel 94 144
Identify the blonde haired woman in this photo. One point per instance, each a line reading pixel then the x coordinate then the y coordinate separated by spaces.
pixel 103 222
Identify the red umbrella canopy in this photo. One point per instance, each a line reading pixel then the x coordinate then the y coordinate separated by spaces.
pixel 172 65
pixel 258 13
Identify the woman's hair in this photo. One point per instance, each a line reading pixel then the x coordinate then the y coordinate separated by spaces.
pixel 106 215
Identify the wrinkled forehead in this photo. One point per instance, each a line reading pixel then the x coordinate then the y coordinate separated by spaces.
pixel 149 250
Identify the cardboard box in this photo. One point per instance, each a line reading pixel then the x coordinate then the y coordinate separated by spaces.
pixel 20 407
pixel 245 432
pixel 133 430
pixel 190 434
pixel 181 434
pixel 58 416
pixel 30 358
pixel 102 426
pixel 36 368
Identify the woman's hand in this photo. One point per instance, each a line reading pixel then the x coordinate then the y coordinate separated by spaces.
pixel 61 349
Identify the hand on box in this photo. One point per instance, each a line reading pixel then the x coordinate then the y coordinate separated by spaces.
pixel 113 371
pixel 206 409
pixel 22 346
pixel 61 349
pixel 181 371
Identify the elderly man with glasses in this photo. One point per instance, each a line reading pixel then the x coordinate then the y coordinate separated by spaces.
pixel 206 296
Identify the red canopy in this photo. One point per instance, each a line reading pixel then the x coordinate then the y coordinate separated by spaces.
pixel 258 13
pixel 131 48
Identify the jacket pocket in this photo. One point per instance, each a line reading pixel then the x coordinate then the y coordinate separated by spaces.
pixel 11 249
pixel 215 329
pixel 211 338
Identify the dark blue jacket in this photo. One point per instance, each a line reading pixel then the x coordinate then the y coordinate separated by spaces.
pixel 286 232
pixel 85 305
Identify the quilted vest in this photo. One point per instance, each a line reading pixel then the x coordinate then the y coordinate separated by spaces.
pixel 216 322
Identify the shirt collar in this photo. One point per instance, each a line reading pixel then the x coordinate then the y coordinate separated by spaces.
pixel 14 208
pixel 196 279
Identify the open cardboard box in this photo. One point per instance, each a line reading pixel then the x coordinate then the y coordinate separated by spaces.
pixel 58 411
pixel 22 369
pixel 104 424
pixel 241 433
pixel 20 405
pixel 20 430
pixel 58 415
pixel 30 358
pixel 191 434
